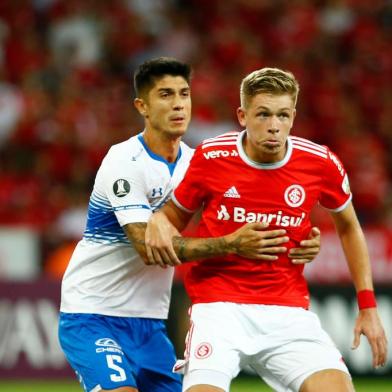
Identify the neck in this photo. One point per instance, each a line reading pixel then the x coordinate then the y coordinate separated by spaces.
pixel 261 156
pixel 163 145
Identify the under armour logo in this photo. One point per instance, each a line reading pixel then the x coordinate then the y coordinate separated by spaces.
pixel 121 187
pixel 223 214
pixel 157 192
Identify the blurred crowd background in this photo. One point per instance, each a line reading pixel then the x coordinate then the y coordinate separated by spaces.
pixel 66 92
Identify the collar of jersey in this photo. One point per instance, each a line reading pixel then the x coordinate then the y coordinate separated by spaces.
pixel 170 165
pixel 264 166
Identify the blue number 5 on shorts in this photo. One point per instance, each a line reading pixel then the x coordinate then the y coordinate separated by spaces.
pixel 108 352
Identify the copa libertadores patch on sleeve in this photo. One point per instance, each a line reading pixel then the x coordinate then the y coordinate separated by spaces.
pixel 121 187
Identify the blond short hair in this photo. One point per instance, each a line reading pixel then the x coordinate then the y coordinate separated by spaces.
pixel 269 81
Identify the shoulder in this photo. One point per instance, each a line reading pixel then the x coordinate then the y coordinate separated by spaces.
pixel 122 156
pixel 127 151
pixel 126 148
pixel 317 154
pixel 221 146
pixel 309 148
pixel 223 140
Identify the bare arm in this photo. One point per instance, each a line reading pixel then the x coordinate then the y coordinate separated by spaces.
pixel 354 247
pixel 251 240
pixel 356 252
pixel 136 234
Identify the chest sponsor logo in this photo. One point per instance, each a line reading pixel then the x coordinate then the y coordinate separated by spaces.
pixel 232 192
pixel 223 214
pixel 219 154
pixel 121 187
pixel 294 195
pixel 241 215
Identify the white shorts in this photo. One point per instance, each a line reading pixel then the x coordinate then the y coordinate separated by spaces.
pixel 283 345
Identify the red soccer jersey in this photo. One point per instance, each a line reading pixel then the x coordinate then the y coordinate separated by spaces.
pixel 235 190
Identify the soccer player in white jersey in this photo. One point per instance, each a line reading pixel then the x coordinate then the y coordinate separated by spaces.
pixel 247 313
pixel 113 305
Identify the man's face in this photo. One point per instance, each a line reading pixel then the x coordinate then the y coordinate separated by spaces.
pixel 268 119
pixel 168 106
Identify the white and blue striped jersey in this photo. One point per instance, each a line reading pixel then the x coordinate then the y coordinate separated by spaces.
pixel 106 275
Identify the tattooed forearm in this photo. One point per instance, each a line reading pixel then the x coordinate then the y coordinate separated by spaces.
pixel 236 243
pixel 136 234
pixel 199 248
pixel 179 246
pixel 138 225
pixel 186 248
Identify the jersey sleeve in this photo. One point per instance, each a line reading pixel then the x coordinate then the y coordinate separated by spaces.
pixel 125 189
pixel 191 191
pixel 335 193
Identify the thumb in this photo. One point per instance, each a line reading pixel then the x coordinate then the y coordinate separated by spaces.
pixel 315 232
pixel 356 341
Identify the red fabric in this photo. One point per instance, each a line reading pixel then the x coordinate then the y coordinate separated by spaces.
pixel 345 81
pixel 260 195
pixel 366 299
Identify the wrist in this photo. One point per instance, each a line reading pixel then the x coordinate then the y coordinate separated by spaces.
pixel 229 244
pixel 366 299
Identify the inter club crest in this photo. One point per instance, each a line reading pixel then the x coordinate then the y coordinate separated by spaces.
pixel 294 195
pixel 203 350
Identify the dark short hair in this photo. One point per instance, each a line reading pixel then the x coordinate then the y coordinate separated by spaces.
pixel 147 73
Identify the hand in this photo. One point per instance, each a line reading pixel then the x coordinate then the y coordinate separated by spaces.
pixel 158 238
pixel 309 249
pixel 368 323
pixel 253 241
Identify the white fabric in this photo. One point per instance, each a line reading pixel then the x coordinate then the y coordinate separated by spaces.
pixel 105 274
pixel 209 377
pixel 283 345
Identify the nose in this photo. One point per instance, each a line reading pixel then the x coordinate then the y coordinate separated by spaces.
pixel 177 103
pixel 273 125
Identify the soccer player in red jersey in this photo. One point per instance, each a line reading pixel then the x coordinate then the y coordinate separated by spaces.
pixel 254 313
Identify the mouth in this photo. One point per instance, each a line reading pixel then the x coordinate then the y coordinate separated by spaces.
pixel 177 119
pixel 271 143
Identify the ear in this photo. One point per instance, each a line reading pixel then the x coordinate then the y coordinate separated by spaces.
pixel 140 106
pixel 292 120
pixel 241 115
